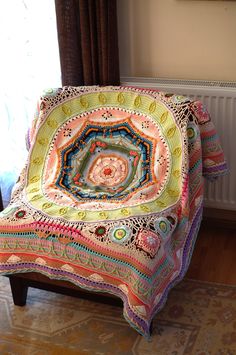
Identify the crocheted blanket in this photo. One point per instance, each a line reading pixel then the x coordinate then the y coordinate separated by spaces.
pixel 111 195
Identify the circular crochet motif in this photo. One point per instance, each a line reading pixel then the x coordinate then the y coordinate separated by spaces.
pixel 108 162
pixel 165 225
pixel 192 132
pixel 120 234
pixel 20 214
pixel 100 231
pixel 118 163
pixel 106 157
pixel 180 99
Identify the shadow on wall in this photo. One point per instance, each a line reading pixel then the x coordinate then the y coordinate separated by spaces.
pixel 131 36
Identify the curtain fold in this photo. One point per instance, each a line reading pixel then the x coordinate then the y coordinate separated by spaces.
pixel 88 42
pixel 1 203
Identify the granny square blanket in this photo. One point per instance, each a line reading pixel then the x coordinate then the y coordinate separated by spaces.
pixel 111 196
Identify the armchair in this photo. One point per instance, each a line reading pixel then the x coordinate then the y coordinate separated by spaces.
pixel 111 197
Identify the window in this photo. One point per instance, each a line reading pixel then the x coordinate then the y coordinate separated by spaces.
pixel 29 63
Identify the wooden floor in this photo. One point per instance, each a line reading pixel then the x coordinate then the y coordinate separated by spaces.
pixel 214 256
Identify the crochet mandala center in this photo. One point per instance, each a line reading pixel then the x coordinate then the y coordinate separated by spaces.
pixel 114 162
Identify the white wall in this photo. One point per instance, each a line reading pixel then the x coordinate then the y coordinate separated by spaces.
pixel 180 39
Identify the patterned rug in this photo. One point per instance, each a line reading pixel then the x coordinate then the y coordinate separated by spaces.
pixel 199 318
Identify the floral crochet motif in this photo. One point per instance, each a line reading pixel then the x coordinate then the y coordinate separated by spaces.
pixel 148 242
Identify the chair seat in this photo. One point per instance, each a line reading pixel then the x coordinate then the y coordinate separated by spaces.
pixel 111 195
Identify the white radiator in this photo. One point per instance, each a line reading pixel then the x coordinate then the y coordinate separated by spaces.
pixel 220 99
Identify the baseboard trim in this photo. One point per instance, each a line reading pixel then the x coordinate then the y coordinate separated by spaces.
pixel 219 217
